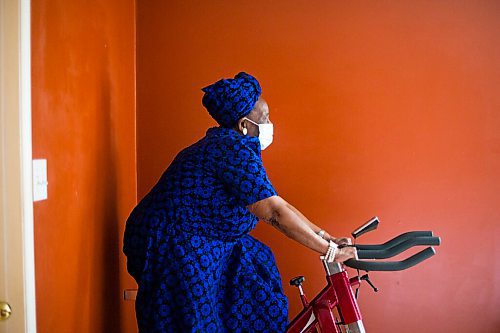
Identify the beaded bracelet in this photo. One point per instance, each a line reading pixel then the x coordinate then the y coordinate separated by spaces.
pixel 330 253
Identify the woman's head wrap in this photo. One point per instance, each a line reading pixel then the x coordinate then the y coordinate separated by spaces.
pixel 228 100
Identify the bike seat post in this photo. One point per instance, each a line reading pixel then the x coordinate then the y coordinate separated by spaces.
pixel 297 282
pixel 303 297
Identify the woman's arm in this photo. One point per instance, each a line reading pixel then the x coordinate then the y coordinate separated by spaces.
pixel 311 225
pixel 284 217
pixel 316 229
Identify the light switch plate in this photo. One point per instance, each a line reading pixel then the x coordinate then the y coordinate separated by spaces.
pixel 40 182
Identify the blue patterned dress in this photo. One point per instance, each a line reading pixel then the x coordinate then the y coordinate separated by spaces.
pixel 188 247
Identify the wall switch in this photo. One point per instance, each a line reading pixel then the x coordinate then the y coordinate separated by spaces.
pixel 40 180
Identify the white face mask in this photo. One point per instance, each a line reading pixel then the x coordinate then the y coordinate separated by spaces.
pixel 266 132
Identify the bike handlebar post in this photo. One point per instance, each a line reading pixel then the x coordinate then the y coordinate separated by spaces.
pixel 347 305
pixel 332 267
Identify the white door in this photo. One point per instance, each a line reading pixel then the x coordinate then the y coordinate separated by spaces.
pixel 17 284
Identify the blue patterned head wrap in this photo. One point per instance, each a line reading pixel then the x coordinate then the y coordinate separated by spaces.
pixel 228 100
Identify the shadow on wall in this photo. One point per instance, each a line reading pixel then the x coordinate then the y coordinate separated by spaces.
pixel 103 221
pixel 110 294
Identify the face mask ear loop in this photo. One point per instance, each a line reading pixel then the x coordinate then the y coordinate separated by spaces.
pixel 253 122
pixel 245 131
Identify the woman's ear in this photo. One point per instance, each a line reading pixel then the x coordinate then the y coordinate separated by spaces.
pixel 242 127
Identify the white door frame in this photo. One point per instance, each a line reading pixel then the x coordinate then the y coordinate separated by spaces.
pixel 17 264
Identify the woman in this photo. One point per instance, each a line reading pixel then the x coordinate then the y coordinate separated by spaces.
pixel 187 241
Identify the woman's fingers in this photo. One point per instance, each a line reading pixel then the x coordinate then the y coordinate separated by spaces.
pixel 342 241
pixel 346 253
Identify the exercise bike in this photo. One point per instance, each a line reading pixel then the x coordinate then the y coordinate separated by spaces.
pixel 335 308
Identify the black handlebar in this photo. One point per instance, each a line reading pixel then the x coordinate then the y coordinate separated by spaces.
pixel 393 250
pixel 391 265
pixel 396 240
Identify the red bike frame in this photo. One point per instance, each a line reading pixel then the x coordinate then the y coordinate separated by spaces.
pixel 337 295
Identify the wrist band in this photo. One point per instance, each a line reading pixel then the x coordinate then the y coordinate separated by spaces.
pixel 330 253
pixel 321 234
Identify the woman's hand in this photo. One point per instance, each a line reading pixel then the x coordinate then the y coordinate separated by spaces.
pixel 341 241
pixel 345 253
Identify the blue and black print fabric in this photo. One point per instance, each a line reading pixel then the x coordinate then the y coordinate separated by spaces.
pixel 228 100
pixel 188 247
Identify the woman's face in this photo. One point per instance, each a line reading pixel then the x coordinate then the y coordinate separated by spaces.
pixel 259 114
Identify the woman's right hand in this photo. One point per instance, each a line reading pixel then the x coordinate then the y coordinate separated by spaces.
pixel 345 253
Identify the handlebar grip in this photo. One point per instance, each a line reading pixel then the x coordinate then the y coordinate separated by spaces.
pixel 391 265
pixel 372 224
pixel 395 241
pixel 397 249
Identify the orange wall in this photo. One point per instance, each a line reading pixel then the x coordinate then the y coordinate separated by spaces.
pixel 379 108
pixel 83 72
